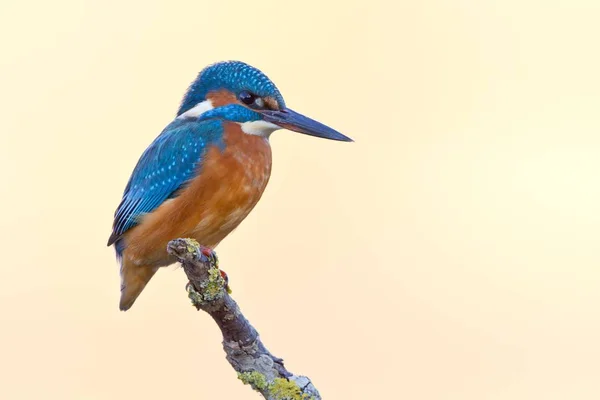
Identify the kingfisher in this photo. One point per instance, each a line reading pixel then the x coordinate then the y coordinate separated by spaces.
pixel 204 172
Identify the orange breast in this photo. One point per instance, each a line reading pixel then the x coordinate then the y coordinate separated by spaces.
pixel 228 187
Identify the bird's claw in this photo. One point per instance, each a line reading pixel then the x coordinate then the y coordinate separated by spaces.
pixel 226 279
pixel 212 256
pixel 209 254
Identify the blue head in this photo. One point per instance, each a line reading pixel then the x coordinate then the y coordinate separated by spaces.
pixel 238 92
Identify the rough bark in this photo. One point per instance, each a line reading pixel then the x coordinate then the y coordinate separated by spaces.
pixel 244 350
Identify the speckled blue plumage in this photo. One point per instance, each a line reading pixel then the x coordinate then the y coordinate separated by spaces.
pixel 165 168
pixel 234 76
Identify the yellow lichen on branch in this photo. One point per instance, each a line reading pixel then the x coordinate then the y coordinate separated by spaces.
pixel 244 350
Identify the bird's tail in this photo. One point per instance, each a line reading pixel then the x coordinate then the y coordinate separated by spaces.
pixel 133 280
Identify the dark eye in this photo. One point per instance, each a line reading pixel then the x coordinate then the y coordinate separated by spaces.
pixel 247 97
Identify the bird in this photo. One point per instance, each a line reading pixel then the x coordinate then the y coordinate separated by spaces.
pixel 205 172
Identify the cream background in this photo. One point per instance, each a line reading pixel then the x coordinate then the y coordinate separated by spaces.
pixel 450 253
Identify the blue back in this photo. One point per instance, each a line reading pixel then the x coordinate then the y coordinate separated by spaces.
pixel 166 166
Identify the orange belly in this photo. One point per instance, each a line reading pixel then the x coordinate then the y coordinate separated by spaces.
pixel 230 183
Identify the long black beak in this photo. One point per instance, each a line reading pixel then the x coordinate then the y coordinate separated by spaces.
pixel 290 119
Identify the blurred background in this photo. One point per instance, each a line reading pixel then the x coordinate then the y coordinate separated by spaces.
pixel 450 253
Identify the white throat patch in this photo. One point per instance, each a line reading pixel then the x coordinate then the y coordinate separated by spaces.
pixel 197 110
pixel 259 128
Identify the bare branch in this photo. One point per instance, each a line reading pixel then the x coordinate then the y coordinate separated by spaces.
pixel 244 350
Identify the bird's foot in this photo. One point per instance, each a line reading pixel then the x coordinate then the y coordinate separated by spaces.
pixel 226 279
pixel 212 256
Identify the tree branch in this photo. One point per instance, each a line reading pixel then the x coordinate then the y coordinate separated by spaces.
pixel 244 350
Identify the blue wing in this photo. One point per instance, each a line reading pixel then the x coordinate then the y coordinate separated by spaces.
pixel 166 166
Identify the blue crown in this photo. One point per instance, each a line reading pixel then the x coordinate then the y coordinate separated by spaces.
pixel 234 76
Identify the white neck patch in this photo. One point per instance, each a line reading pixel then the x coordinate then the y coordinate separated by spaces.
pixel 197 110
pixel 259 128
